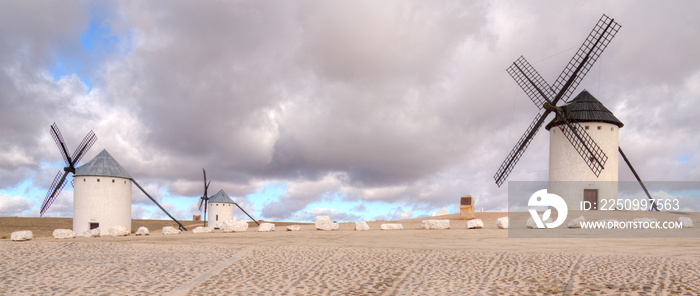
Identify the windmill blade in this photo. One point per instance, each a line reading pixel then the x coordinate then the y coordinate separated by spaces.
pixel 519 149
pixel 585 57
pixel 206 185
pixel 531 82
pixel 58 138
pixel 84 146
pixel 55 189
pixel 591 153
pixel 200 204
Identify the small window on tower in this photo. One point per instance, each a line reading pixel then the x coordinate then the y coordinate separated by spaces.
pixel 83 179
pixel 112 180
pixel 591 158
pixel 599 127
pixel 611 129
pixel 586 127
pixel 98 180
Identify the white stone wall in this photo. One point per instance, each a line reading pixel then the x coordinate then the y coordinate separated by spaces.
pixel 565 164
pixel 107 202
pixel 224 212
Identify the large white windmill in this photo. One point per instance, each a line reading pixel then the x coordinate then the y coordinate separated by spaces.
pixel 584 146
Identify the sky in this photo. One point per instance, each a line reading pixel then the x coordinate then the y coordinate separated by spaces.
pixel 360 110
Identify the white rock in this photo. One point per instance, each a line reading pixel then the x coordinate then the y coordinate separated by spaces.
pixel 293 228
pixel 576 223
pixel 22 235
pixel 392 226
pixel 531 223
pixel 475 224
pixel 361 226
pixel 63 233
pixel 435 224
pixel 324 223
pixel 200 229
pixel 118 230
pixel 92 233
pixel 265 227
pixel 686 222
pixel 643 220
pixel 142 231
pixel 235 226
pixel 502 223
pixel 170 230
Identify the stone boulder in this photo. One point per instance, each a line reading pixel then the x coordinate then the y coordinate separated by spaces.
pixel 435 224
pixel 142 231
pixel 324 223
pixel 235 226
pixel 22 235
pixel 531 223
pixel 502 223
pixel 361 226
pixel 201 229
pixel 576 223
pixel 92 233
pixel 392 226
pixel 686 222
pixel 167 230
pixel 63 233
pixel 475 224
pixel 265 227
pixel 293 228
pixel 118 230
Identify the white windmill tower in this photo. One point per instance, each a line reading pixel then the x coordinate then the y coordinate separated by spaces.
pixel 569 176
pixel 220 209
pixel 588 154
pixel 102 196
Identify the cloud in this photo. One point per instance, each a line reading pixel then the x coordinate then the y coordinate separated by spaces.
pixel 14 205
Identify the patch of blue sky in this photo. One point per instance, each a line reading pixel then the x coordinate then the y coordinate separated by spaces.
pixel 269 193
pixel 368 211
pixel 685 160
pixel 97 41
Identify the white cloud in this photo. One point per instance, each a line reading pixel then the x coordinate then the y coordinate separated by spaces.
pixel 14 205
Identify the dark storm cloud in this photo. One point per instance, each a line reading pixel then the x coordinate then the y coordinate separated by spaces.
pixel 404 102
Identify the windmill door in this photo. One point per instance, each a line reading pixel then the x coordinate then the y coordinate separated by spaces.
pixel 591 195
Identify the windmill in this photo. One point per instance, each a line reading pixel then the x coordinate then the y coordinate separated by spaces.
pixel 203 201
pixel 60 180
pixel 219 199
pixel 546 97
pixel 94 201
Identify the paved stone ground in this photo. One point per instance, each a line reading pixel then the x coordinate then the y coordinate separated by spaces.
pixel 188 266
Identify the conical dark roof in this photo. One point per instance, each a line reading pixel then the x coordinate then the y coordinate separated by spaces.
pixel 102 165
pixel 220 197
pixel 586 108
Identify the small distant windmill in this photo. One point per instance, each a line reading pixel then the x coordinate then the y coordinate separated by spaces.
pixel 546 97
pixel 203 201
pixel 219 198
pixel 59 181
